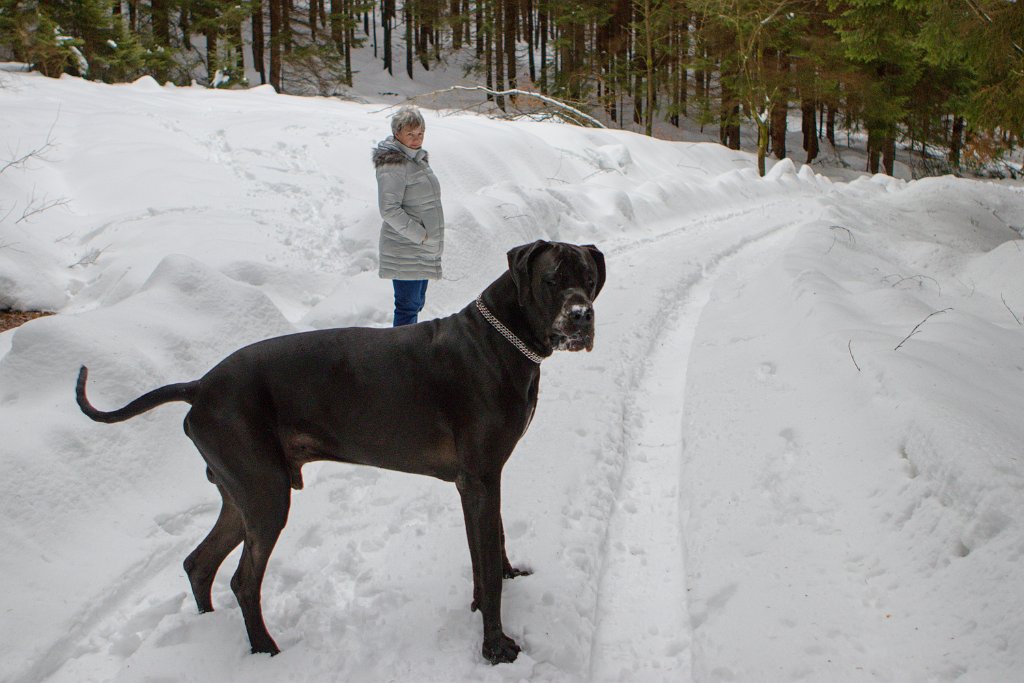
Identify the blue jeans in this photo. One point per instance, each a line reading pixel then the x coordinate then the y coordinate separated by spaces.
pixel 410 296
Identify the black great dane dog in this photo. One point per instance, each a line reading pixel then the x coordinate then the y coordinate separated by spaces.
pixel 448 398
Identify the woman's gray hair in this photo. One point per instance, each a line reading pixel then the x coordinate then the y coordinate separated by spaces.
pixel 407 117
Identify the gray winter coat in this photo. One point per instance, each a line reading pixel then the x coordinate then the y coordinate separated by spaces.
pixel 409 197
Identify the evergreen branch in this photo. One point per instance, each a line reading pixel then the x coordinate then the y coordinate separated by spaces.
pixel 988 20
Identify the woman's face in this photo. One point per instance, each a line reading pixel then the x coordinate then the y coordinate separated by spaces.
pixel 411 137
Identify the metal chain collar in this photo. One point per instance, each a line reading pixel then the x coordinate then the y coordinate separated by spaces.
pixel 507 333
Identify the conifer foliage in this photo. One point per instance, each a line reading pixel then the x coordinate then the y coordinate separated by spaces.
pixel 944 77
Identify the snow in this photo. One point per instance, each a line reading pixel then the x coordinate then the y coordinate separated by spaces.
pixel 746 480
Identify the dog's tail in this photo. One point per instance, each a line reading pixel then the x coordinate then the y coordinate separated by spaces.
pixel 172 392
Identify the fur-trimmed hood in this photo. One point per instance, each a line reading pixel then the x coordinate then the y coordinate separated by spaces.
pixel 392 152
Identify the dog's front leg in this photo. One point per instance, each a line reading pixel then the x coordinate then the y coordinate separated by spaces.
pixel 481 507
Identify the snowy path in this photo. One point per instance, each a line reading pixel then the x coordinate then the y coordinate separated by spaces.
pixel 643 580
pixel 642 623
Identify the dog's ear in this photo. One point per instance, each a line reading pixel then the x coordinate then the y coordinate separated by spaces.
pixel 598 257
pixel 520 260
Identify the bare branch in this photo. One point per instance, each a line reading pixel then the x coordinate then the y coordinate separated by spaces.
pixel 38 153
pixel 918 327
pixel 37 206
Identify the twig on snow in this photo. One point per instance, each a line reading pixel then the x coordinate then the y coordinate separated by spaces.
pixel 849 347
pixel 38 153
pixel 918 327
pixel 900 279
pixel 835 236
pixel 38 206
pixel 1015 316
pixel 89 259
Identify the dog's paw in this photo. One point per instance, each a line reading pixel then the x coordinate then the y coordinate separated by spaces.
pixel 510 572
pixel 264 645
pixel 501 650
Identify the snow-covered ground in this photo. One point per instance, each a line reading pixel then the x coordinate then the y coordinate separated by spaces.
pixel 755 476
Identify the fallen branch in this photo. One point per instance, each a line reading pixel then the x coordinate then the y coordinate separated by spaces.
pixel 918 327
pixel 575 115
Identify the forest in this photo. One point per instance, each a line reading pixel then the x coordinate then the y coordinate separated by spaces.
pixel 942 78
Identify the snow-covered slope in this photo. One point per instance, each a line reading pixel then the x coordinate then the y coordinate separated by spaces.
pixel 746 480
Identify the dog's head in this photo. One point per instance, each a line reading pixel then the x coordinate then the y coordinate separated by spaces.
pixel 557 284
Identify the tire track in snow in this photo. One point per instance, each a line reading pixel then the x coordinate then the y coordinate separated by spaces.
pixel 641 621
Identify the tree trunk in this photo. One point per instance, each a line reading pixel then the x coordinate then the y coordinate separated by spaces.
pixel 874 150
pixel 499 52
pixel 889 154
pixel 729 129
pixel 387 18
pixel 478 17
pixel 543 50
pixel 511 31
pixel 410 46
pixel 649 64
pixel 762 144
pixel 530 41
pixel 485 35
pixel 956 142
pixel 778 128
pixel 258 41
pixel 830 124
pixel 276 79
pixel 186 27
pixel 350 39
pixel 455 12
pixel 809 127
pixel 286 26
pixel 211 51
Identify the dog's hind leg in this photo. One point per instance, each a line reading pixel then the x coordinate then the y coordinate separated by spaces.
pixel 265 512
pixel 248 467
pixel 202 564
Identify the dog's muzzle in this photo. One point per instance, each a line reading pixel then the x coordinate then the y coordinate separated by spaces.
pixel 573 329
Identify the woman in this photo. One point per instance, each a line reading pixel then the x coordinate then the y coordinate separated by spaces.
pixel 409 197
